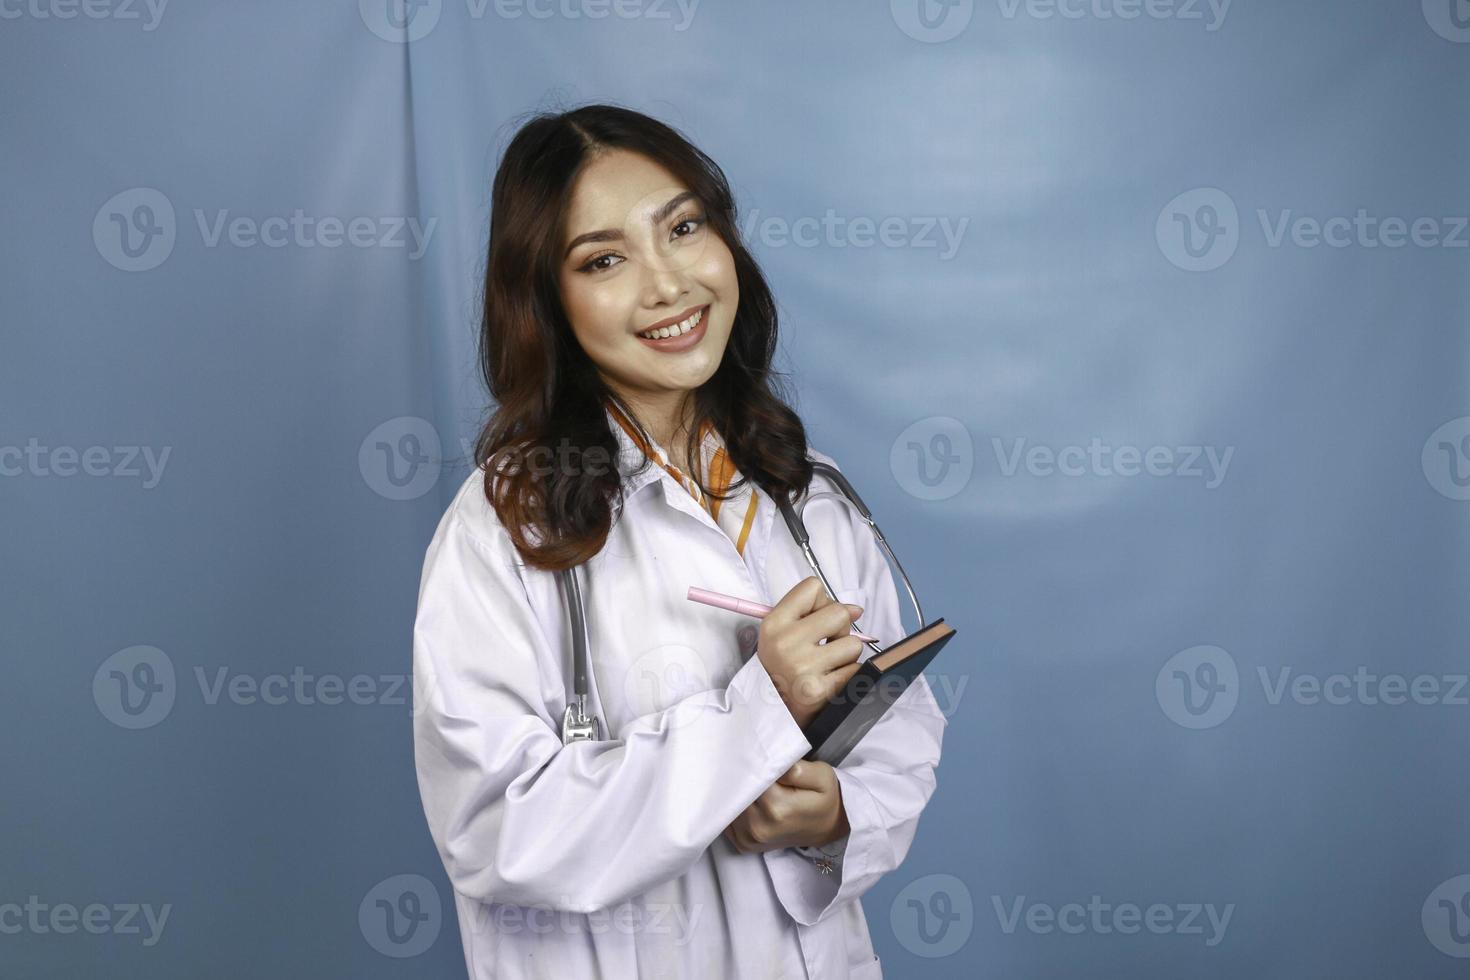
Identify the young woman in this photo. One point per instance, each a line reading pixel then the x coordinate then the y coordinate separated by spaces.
pixel 689 839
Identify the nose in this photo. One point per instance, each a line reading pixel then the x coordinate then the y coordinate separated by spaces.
pixel 667 283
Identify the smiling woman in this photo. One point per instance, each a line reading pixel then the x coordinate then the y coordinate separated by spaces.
pixel 655 312
pixel 625 323
pixel 607 224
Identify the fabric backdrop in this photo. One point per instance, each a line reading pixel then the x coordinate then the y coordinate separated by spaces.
pixel 1140 324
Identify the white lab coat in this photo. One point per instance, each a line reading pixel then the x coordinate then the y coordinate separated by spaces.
pixel 607 858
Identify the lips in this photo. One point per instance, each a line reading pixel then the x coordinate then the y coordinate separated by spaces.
pixel 671 321
pixel 682 341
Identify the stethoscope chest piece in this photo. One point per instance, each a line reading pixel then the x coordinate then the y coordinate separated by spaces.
pixel 577 727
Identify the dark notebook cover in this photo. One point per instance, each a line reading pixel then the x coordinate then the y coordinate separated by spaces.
pixel 879 682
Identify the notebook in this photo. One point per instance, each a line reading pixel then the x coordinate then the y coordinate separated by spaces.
pixel 879 682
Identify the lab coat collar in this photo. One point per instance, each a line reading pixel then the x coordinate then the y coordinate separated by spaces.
pixel 631 457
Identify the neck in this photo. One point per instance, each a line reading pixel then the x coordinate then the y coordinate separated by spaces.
pixel 667 417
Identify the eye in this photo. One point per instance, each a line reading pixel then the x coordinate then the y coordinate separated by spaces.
pixel 588 266
pixel 696 220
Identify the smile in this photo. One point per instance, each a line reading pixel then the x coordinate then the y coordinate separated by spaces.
pixel 681 336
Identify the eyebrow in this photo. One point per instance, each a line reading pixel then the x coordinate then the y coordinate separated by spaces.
pixel 614 234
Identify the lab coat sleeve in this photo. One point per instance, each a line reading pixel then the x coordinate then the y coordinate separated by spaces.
pixel 517 817
pixel 886 780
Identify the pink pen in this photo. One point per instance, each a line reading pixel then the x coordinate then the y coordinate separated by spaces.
pixel 747 608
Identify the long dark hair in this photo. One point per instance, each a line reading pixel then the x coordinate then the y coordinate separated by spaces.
pixel 549 397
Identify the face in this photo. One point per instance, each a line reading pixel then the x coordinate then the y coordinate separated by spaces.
pixel 639 252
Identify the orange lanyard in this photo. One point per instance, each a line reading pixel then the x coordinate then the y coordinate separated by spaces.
pixel 722 472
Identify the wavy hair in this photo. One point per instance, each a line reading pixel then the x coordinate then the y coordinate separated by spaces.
pixel 549 396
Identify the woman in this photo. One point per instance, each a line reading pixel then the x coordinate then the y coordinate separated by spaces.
pixel 689 840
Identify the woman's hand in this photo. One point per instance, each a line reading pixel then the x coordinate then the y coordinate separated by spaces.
pixel 806 672
pixel 803 808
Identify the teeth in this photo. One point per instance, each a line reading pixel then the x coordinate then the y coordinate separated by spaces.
pixel 674 331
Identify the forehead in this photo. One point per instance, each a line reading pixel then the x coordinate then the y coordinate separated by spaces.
pixel 617 189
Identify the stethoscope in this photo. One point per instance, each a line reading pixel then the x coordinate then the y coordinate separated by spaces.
pixel 578 725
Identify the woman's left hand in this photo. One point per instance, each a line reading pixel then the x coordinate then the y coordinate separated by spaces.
pixel 803 808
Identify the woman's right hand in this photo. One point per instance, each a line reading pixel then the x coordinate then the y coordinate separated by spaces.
pixel 806 672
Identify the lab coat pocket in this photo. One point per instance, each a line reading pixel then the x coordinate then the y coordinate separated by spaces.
pixel 872 970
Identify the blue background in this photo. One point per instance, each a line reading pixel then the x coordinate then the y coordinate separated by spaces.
pixel 1101 289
